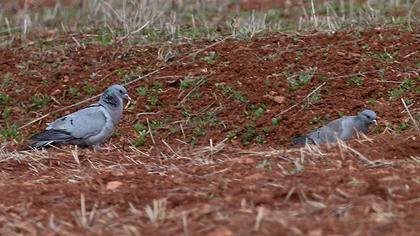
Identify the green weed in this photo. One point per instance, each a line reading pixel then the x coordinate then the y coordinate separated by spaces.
pixel 185 84
pixel 250 133
pixel 7 80
pixel 74 92
pixel 10 132
pixel 39 101
pixel 316 97
pixel 6 113
pixel 403 126
pixel 230 92
pixel 141 131
pixel 142 91
pixel 383 56
pixel 356 81
pixel 4 98
pixel 105 38
pixel 199 132
pixel 406 86
pixel 153 100
pixel 260 139
pixel 316 120
pixel 275 121
pixel 303 79
pixel 211 57
pixel 89 89
pixel 373 102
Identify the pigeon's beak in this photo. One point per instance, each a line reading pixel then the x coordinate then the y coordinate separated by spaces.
pixel 374 121
pixel 126 97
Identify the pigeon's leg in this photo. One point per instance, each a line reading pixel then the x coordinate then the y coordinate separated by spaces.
pixel 98 148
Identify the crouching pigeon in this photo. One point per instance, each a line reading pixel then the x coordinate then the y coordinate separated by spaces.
pixel 88 126
pixel 343 129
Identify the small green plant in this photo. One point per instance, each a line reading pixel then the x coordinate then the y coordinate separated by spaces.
pixel 199 132
pixel 275 121
pixel 89 89
pixel 356 81
pixel 138 127
pixel 106 39
pixel 383 56
pixel 260 139
pixel 316 97
pixel 6 113
pixel 39 101
pixel 230 92
pixel 408 101
pixel 173 129
pixel 141 131
pixel 157 124
pixel 186 114
pixel 153 100
pixel 211 57
pixel 304 78
pixel 10 132
pixel 322 78
pixel 142 91
pixel 4 98
pixel 158 87
pixel 406 86
pixel 373 102
pixel 185 84
pixel 141 139
pixel 258 111
pixel 340 114
pixel 74 92
pixel 403 126
pixel 7 80
pixel 250 134
pixel 266 130
pixel 316 120
pixel 233 134
pixel 377 130
pixel 382 73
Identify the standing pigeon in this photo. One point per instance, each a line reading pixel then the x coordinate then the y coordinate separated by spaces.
pixel 343 129
pixel 88 126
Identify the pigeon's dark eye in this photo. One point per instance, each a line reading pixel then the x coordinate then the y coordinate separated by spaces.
pixel 121 91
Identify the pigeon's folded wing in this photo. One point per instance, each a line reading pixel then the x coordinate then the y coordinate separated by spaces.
pixel 82 124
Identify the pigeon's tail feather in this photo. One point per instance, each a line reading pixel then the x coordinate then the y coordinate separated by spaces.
pixel 49 137
pixel 38 145
pixel 52 135
pixel 298 140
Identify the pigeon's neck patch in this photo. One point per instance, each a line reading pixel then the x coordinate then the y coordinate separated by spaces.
pixel 110 99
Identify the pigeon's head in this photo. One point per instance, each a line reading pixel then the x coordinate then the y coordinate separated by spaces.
pixel 118 91
pixel 368 116
pixel 114 97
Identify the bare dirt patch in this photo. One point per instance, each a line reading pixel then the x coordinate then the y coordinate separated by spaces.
pixel 238 94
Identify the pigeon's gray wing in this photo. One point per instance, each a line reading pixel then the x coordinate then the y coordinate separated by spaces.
pixel 329 132
pixel 84 127
pixel 83 123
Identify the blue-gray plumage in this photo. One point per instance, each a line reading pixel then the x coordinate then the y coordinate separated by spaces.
pixel 88 126
pixel 343 129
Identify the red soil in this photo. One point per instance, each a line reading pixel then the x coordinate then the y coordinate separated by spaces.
pixel 219 193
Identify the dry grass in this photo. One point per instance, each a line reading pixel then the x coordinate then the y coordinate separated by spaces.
pixel 128 20
pixel 91 216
